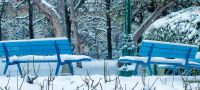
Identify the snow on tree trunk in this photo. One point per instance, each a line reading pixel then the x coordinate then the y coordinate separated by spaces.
pixel 74 29
pixel 55 16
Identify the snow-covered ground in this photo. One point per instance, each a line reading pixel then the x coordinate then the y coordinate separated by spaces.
pixel 95 68
pixel 72 82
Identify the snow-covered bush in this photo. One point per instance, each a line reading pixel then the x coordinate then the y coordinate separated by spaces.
pixel 180 27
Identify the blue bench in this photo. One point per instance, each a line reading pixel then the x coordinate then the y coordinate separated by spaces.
pixel 163 53
pixel 57 50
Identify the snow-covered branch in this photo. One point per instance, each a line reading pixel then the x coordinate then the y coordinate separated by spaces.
pixel 80 2
pixel 20 3
pixel 51 7
pixel 23 17
pixel 38 20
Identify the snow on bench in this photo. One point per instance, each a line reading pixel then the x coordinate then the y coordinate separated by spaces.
pixel 39 51
pixel 163 53
pixel 153 59
pixel 63 57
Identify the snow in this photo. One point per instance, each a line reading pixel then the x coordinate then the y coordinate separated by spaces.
pixel 95 68
pixel 64 57
pixel 153 59
pixel 192 34
pixel 136 58
pixel 197 55
pixel 165 60
pixel 127 67
pixel 71 83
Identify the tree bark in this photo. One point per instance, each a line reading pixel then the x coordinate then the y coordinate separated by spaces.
pixel 109 29
pixel 74 29
pixel 1 14
pixel 137 35
pixel 68 22
pixel 57 20
pixel 30 10
pixel 56 17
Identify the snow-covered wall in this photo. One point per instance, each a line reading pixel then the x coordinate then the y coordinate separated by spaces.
pixel 180 27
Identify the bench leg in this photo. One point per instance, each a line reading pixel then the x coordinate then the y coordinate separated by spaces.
pixel 179 71
pixel 150 70
pixel 5 69
pixel 19 68
pixel 136 68
pixel 187 70
pixel 71 68
pixel 174 71
pixel 57 68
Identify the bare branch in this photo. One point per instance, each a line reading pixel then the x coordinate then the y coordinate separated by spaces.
pixel 135 86
pixel 153 83
pixel 150 20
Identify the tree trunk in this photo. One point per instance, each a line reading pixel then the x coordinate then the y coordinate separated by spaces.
pixel 30 11
pixel 56 17
pixel 68 22
pixel 57 20
pixel 137 35
pixel 74 29
pixel 1 14
pixel 109 29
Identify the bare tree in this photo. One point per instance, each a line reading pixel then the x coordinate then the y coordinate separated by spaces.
pixel 72 8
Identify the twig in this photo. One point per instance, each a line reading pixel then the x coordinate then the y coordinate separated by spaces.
pixel 125 86
pixel 6 87
pixel 162 81
pixel 50 77
pixel 95 86
pixel 41 85
pixel 135 86
pixel 173 81
pixel 17 80
pixel 101 86
pixel 30 80
pixel 21 84
pixel 77 88
pixel 154 83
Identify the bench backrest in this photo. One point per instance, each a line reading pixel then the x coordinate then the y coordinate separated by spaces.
pixel 149 48
pixel 50 46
